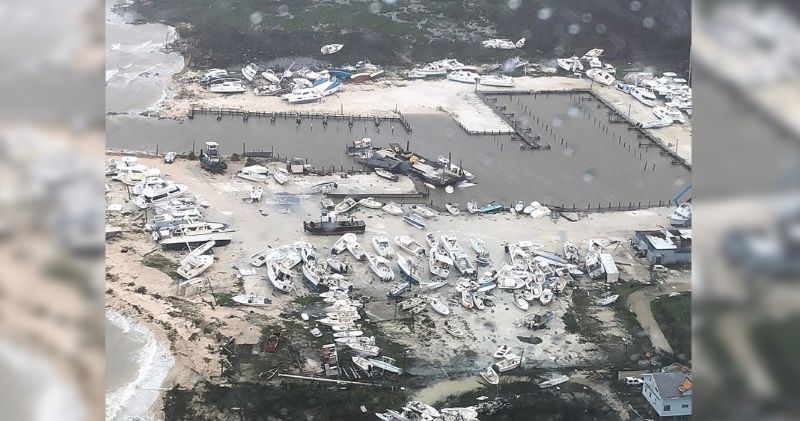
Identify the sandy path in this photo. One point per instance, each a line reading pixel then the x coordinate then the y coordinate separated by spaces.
pixel 639 304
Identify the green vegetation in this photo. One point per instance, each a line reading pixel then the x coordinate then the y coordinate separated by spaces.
pixel 674 317
pixel 140 290
pixel 162 263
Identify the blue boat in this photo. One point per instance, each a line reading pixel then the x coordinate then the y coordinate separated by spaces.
pixel 339 73
pixel 491 207
pixel 414 222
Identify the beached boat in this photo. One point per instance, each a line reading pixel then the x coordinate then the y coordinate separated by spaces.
pixel 362 363
pixel 331 49
pixel 291 260
pixel 250 71
pixel 370 203
pixel 463 76
pixel 280 176
pixel 472 207
pixel 392 209
pixel 452 208
pixel 510 362
pixel 194 234
pixel 336 265
pixel 423 211
pixel 439 306
pixel 500 44
pixel 479 246
pixel 491 207
pixel 502 81
pixel 386 174
pixel 303 97
pixel 347 333
pixel 520 302
pixel 192 266
pixel 329 224
pixel 555 381
pixel 159 193
pixel 546 297
pixel 410 267
pixel 452 330
pixel 355 249
pixel 251 300
pixel 364 349
pixel 212 74
pixel 430 286
pixel 382 246
pixel 593 53
pixel 490 375
pixel 387 364
pixel 608 299
pixel 682 215
pixel 227 87
pixel 380 266
pixel 414 222
pixel 278 279
pixel 571 64
pixel 409 245
pixel 313 274
pixel 466 299
pixel 345 205
pixel 431 239
pixel 669 113
pixel 340 245
pixel 398 289
pixel 440 263
pixel 644 96
pixel 150 181
pixel 255 173
pixel 422 410
pixel 571 252
pixel 502 351
pixel 478 301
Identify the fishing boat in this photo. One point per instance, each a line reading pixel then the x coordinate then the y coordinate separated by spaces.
pixel 227 87
pixel 345 205
pixel 452 208
pixel 362 363
pixel 194 234
pixel 478 301
pixel 422 73
pixel 520 302
pixel 392 209
pixel 452 330
pixel 608 299
pixel 502 351
pixel 355 249
pixel 159 193
pixel 410 267
pixel 331 49
pixel 490 375
pixel 281 176
pixel 472 207
pixel 329 224
pixel 510 362
pixel 383 246
pixel 414 222
pixel 501 81
pixel 682 215
pixel 409 245
pixel 463 76
pixel 252 300
pixel 423 211
pixel 546 297
pixel 644 96
pixel 555 381
pixel 500 44
pixel 491 207
pixel 278 279
pixel 386 174
pixel 341 244
pixel 431 239
pixel 380 266
pixel 336 265
pixel 439 306
pixel 466 299
pixel 398 289
pixel 440 263
pixel 370 203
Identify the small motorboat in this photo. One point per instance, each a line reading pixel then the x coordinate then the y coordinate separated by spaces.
pixel 380 266
pixel 409 244
pixel 490 375
pixel 501 81
pixel 479 246
pixel 554 381
pixel 452 208
pixel 355 249
pixel 399 289
pixel 527 296
pixel 170 157
pixel 466 299
pixel 414 222
pixel 547 296
pixel 193 266
pixel 519 207
pixel 520 302
pixel 456 332
pixel 430 286
pixel 463 76
pixel 227 87
pixel 362 363
pixel 410 267
pixel 510 362
pixel 331 49
pixel 491 207
pixel 252 300
pixel 440 263
pixel 502 351
pixel 364 349
pixel 341 244
pixel 439 306
pixel 423 211
pixel 472 207
pixel 380 172
pixel 345 205
pixel 392 208
pixel 279 280
pixel 370 203
pixel 479 303
pixel 337 266
pixel 431 239
pixel 608 299
pixel 347 333
pixel 280 176
pixel 383 246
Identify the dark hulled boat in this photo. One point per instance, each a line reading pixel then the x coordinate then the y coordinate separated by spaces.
pixel 330 225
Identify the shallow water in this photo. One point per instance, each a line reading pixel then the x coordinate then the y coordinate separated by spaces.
pixel 591 168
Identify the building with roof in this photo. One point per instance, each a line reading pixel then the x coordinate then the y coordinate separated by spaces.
pixel 670 393
pixel 665 247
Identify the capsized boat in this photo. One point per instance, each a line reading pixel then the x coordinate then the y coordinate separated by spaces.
pixel 392 209
pixel 380 266
pixel 414 222
pixel 490 375
pixel 409 245
pixel 410 267
pixel 439 306
pixel 382 246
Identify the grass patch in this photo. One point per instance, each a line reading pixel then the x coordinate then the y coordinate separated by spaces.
pixel 162 263
pixel 674 316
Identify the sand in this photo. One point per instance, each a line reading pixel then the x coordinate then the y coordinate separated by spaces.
pixel 179 321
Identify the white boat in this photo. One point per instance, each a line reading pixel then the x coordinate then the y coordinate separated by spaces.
pixel 608 299
pixel 520 42
pixel 257 173
pixel 362 363
pixel 227 87
pixel 466 299
pixel 131 176
pixel 303 97
pixel 682 215
pixel 479 246
pixel 452 208
pixel 501 81
pixel 347 333
pixel 554 381
pixel 194 234
pixel 382 246
pixel 440 263
pixel 490 375
pixel 431 239
pixel 250 71
pixel 410 267
pixel 392 209
pixel 280 176
pixel 252 300
pixel 331 49
pixel 500 44
pixel 510 362
pixel 601 76
pixel 520 302
pixel 341 244
pixel 671 113
pixel 644 96
pixel 291 260
pixel 302 83
pixel 336 265
pixel 194 266
pixel 279 280
pixel 409 245
pixel 355 249
pixel 593 53
pixel 212 74
pixel 345 205
pixel 546 297
pixel 364 349
pixel 472 207
pixel 571 252
pixel 610 68
pixel 655 124
pixel 439 306
pixel 478 301
pixel 150 181
pixel 370 203
pixel 380 172
pixel 463 76
pixel 572 64
pixel 271 77
pixel 387 364
pixel 423 211
pixel 424 411
pixel 430 286
pixel 502 351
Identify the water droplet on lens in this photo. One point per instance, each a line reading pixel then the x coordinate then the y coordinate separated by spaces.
pixel 558 122
pixel 601 29
pixel 514 4
pixel 648 22
pixel 283 10
pixel 574 29
pixel 589 176
pixel 256 18
pixel 636 6
pixel 375 8
pixel 586 17
pixel 679 182
pixel 545 13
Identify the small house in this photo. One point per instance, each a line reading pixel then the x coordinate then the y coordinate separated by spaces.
pixel 670 393
pixel 665 247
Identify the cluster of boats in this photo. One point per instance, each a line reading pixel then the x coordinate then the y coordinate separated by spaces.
pixel 420 411
pixel 503 44
pixel 598 71
pixel 456 71
pixel 507 361
pixel 647 89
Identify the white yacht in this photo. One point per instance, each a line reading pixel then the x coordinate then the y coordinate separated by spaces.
pixel 671 113
pixel 331 48
pixel 250 71
pixel 159 193
pixel 192 235
pixel 500 44
pixel 600 76
pixel 496 80
pixel 303 97
pixel 463 76
pixel 682 215
pixel 227 87
pixel 644 96
pixel 572 64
